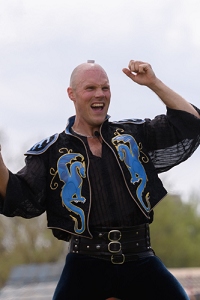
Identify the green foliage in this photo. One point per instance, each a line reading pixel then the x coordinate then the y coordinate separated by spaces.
pixel 175 232
pixel 26 241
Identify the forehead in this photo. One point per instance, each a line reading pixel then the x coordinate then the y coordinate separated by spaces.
pixel 93 75
pixel 90 74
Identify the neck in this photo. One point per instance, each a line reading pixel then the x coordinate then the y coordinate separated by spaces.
pixel 87 136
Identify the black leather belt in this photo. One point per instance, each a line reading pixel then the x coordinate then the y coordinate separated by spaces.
pixel 118 245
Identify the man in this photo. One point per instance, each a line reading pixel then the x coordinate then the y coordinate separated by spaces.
pixel 98 183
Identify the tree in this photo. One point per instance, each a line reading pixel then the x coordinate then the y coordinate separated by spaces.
pixel 27 241
pixel 175 232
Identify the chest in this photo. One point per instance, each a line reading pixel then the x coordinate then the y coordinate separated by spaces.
pixel 95 146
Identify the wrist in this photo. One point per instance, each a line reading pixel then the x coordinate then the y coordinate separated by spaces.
pixel 156 85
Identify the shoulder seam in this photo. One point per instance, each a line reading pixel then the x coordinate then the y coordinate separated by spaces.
pixel 43 145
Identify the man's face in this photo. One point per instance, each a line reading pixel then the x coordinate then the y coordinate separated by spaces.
pixel 91 95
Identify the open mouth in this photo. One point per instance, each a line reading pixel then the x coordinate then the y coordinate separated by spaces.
pixel 97 106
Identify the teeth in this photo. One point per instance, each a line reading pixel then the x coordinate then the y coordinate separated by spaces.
pixel 97 105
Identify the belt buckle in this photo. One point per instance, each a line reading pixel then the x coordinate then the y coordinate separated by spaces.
pixel 116 235
pixel 118 262
pixel 113 250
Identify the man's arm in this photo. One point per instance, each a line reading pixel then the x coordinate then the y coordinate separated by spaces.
pixel 4 176
pixel 143 74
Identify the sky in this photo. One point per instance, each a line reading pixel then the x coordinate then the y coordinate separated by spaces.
pixel 42 41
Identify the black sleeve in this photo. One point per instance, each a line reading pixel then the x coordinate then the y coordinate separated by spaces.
pixel 172 138
pixel 26 190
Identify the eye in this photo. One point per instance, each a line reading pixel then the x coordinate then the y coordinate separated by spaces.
pixel 105 88
pixel 90 88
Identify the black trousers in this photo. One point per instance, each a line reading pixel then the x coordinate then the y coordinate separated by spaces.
pixel 85 277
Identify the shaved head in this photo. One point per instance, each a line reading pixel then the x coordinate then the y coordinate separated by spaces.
pixel 80 69
pixel 90 92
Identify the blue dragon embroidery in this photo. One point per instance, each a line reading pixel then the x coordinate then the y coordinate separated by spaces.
pixel 128 152
pixel 71 170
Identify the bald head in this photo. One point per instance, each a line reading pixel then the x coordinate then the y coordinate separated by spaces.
pixel 81 69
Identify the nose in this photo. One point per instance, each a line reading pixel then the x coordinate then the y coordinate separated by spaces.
pixel 99 92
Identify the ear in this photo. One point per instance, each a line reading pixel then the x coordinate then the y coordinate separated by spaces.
pixel 70 93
